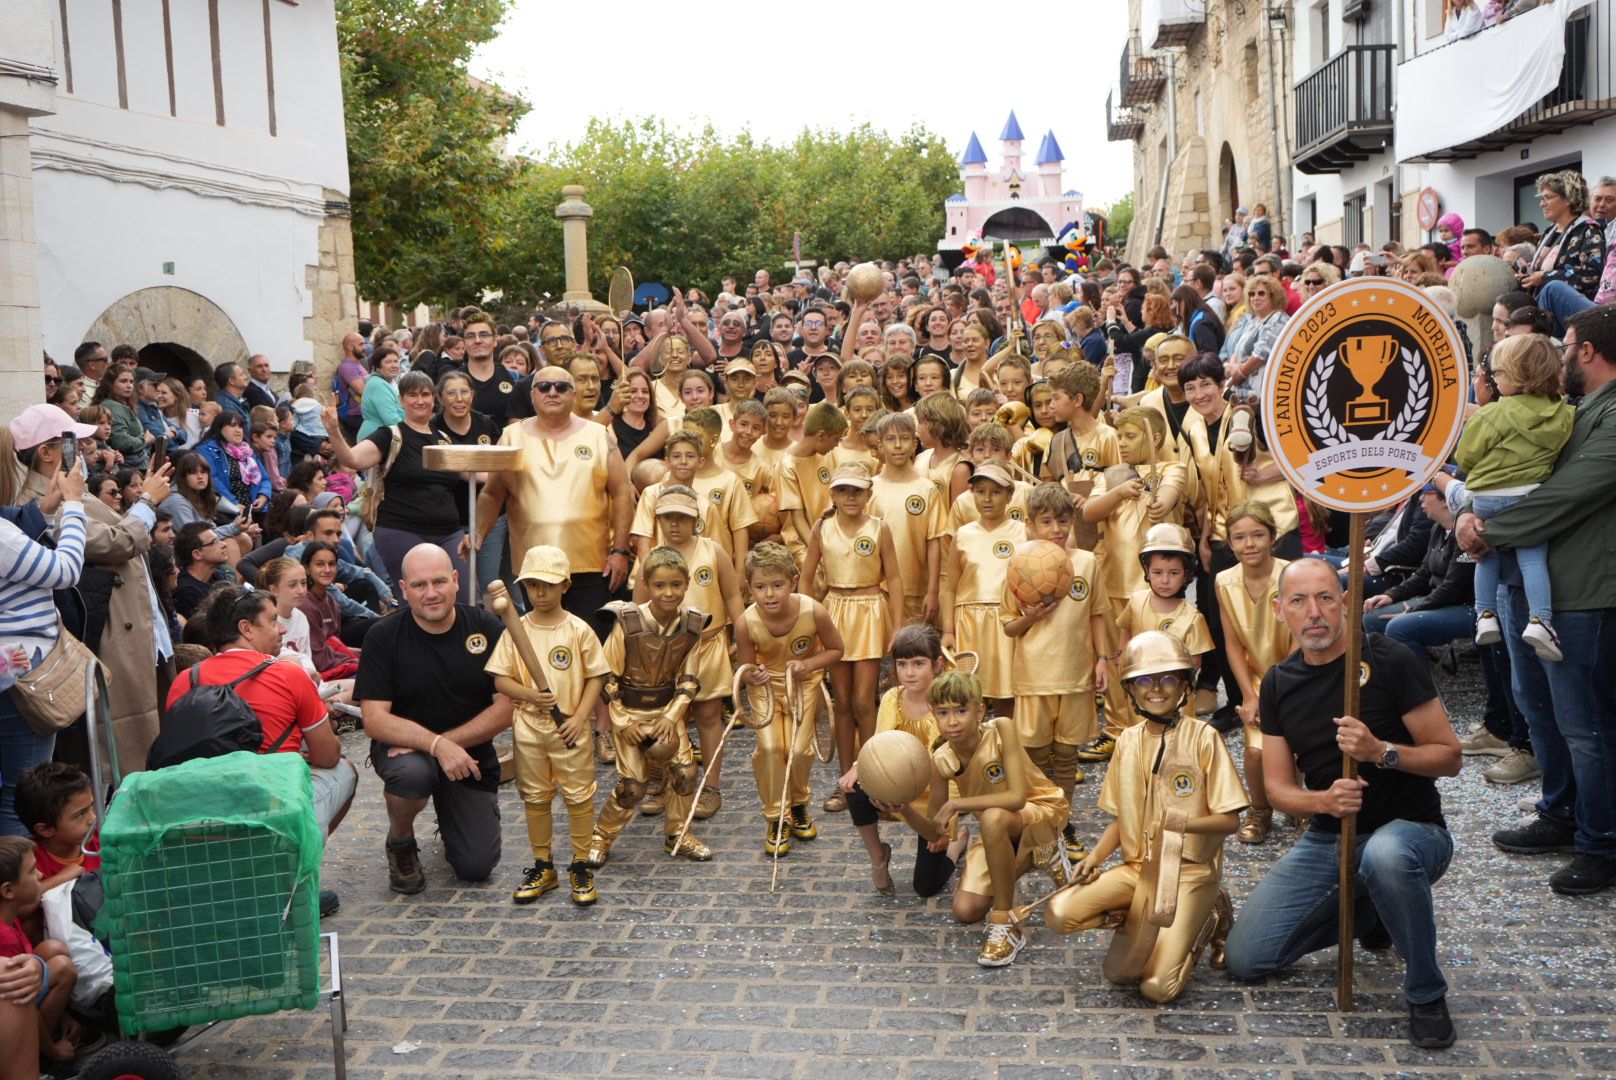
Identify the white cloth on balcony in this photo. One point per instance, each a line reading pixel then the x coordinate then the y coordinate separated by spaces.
pixel 1485 80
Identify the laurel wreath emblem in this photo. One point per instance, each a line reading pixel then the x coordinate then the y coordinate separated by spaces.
pixel 1329 432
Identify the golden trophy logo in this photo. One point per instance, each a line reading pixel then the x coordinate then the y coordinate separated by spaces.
pixel 1367 359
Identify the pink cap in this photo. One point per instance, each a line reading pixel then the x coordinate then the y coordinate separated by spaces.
pixel 39 424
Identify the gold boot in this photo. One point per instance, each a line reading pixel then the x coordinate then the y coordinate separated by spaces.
pixel 1254 830
pixel 600 849
pixel 1223 920
pixel 656 789
pixel 605 749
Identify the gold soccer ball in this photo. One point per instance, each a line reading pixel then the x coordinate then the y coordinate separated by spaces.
pixel 864 282
pixel 1039 571
pixel 767 524
pixel 894 767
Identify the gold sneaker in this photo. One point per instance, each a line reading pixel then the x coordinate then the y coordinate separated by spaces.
pixel 605 749
pixel 582 880
pixel 802 826
pixel 537 880
pixel 1076 850
pixel 691 849
pixel 654 802
pixel 1003 943
pixel 1254 830
pixel 777 841
pixel 599 849
pixel 1098 750
pixel 708 803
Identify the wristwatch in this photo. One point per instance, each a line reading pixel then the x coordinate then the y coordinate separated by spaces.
pixel 1389 757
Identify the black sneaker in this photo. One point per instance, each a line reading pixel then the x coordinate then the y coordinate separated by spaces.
pixel 404 873
pixel 802 826
pixel 1225 720
pixel 1540 836
pixel 329 902
pixel 1586 874
pixel 1429 1026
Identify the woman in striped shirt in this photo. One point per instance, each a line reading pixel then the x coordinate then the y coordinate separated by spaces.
pixel 28 572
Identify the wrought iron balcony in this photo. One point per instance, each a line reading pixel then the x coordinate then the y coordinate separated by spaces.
pixel 1168 23
pixel 1344 109
pixel 1123 123
pixel 1143 77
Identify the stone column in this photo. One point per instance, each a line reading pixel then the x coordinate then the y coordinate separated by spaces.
pixel 574 213
pixel 21 329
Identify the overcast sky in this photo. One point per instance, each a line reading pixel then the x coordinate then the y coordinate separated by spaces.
pixel 767 69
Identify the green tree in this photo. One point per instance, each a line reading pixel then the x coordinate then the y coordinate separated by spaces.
pixel 425 147
pixel 1119 219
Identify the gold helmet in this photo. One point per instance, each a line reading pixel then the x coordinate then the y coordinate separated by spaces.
pixel 1153 653
pixel 1167 537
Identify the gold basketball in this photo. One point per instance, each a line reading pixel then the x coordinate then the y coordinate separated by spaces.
pixel 648 472
pixel 894 767
pixel 864 282
pixel 1039 571
pixel 768 517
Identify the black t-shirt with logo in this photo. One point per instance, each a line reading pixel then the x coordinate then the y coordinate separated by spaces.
pixel 417 499
pixel 436 680
pixel 495 397
pixel 482 432
pixel 1300 701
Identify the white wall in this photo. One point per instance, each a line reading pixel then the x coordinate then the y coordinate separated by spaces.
pixel 1481 190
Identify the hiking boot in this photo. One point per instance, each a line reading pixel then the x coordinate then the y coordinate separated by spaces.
pixel 777 841
pixel 1517 767
pixel 656 799
pixel 404 867
pixel 1076 850
pixel 1429 1026
pixel 1255 829
pixel 802 826
pixel 1586 874
pixel 1488 630
pixel 537 880
pixel 605 749
pixel 1540 836
pixel 708 803
pixel 1222 923
pixel 582 880
pixel 329 902
pixel 1097 750
pixel 835 804
pixel 1003 943
pixel 690 848
pixel 1483 743
pixel 1544 641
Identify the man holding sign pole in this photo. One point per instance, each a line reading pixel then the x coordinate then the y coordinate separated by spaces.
pixel 1362 401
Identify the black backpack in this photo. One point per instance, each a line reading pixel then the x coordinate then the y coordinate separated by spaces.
pixel 210 721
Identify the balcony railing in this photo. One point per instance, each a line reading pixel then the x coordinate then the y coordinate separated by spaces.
pixel 1122 123
pixel 1168 23
pixel 1142 77
pixel 1585 91
pixel 1344 109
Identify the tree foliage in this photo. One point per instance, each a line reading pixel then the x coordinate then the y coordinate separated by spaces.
pixel 1118 219
pixel 425 146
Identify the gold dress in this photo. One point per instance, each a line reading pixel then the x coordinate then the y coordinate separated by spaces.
pixel 913 513
pixel 1195 775
pixel 1263 634
pixel 558 496
pixel 769 753
pixel 984 560
pixel 713 666
pixel 1042 817
pixel 857 605
pixel 1054 661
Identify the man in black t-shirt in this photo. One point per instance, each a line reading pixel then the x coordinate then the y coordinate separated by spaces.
pixel 1402 740
pixel 432 713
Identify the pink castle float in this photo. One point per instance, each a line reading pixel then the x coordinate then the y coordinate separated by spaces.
pixel 1030 208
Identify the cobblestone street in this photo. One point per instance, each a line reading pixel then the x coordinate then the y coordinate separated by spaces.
pixel 697 970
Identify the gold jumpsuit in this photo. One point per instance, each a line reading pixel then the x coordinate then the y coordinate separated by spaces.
pixel 713 666
pixel 803 483
pixel 769 753
pixel 857 605
pixel 984 560
pixel 1184 621
pixel 1042 817
pixel 1187 769
pixel 913 512
pixel 1266 638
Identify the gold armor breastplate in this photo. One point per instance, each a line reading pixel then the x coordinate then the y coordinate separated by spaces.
pixel 653 661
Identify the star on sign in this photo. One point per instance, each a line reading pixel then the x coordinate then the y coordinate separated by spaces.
pixel 1391 301
pixel 1355 303
pixel 1373 298
pixel 1364 492
pixel 1340 491
pixel 1385 487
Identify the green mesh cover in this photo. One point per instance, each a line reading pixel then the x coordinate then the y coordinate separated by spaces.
pixel 211 871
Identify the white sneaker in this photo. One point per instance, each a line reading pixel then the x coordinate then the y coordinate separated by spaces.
pixel 1488 632
pixel 1541 636
pixel 1517 768
pixel 1529 802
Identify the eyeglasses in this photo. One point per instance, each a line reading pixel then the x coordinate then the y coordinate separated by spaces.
pixel 483 336
pixel 52 380
pixel 1565 349
pixel 545 386
pixel 1168 681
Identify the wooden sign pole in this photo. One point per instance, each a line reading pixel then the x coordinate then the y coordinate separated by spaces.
pixel 1349 764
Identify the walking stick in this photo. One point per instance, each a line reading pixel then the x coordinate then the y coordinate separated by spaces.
pixel 1349 765
pixel 794 711
pixel 743 704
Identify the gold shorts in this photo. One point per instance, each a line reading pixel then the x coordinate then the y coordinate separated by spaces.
pixel 713 666
pixel 1064 718
pixel 865 622
pixel 1041 823
pixel 544 763
pixel 977 629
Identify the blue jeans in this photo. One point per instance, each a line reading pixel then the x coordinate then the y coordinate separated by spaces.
pixel 1421 628
pixel 20 750
pixel 1570 708
pixel 1533 563
pixel 1561 301
pixel 494 562
pixel 1501 715
pixel 1293 910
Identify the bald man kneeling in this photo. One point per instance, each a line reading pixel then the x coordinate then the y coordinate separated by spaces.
pixel 432 712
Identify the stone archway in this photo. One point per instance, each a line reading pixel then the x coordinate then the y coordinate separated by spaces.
pixel 187 328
